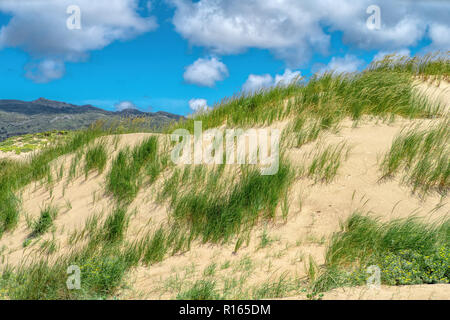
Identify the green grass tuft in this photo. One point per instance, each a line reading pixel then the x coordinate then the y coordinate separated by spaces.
pixel 422 155
pixel 123 179
pixel 45 221
pixel 95 158
pixel 407 251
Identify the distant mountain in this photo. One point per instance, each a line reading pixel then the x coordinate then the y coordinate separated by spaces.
pixel 22 117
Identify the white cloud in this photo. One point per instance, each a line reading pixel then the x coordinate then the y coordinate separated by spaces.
pixel 198 105
pixel 293 29
pixel 206 72
pixel 440 35
pixel 287 77
pixel 45 71
pixel 123 105
pixel 398 53
pixel 39 28
pixel 348 63
pixel 256 82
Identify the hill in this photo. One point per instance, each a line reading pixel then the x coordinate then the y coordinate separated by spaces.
pixel 360 193
pixel 22 117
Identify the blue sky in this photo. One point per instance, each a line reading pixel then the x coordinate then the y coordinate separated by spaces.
pixel 161 55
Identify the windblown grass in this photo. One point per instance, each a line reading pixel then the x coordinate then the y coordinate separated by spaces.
pixel 423 157
pixel 217 216
pixel 123 179
pixel 212 206
pixel 15 175
pixel 96 158
pixel 433 65
pixel 45 220
pixel 384 89
pixel 101 270
pixel 201 290
pixel 115 225
pixel 9 211
pixel 407 251
pixel 326 162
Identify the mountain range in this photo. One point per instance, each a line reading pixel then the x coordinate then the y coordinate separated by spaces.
pixel 22 117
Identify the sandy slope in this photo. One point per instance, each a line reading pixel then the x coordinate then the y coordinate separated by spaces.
pixel 315 211
pixel 309 227
pixel 438 91
pixel 411 292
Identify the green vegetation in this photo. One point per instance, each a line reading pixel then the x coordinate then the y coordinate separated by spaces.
pixel 96 158
pixel 422 155
pixel 9 211
pixel 407 251
pixel 35 141
pixel 201 290
pixel 45 221
pixel 217 216
pixel 277 288
pixel 212 204
pixel 326 162
pixel 115 225
pixel 102 271
pixel 155 247
pixel 237 288
pixel 265 240
pixel 16 174
pixel 433 65
pixel 123 178
pixel 383 89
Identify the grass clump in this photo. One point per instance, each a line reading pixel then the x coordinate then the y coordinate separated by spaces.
pixel 102 271
pixel 215 216
pixel 102 274
pixel 45 221
pixel 156 245
pixel 326 162
pixel 266 240
pixel 16 174
pixel 407 251
pixel 9 211
pixel 422 155
pixel 123 178
pixel 95 158
pixel 200 290
pixel 277 288
pixel 115 225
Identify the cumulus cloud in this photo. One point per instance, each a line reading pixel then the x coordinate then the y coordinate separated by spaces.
pixel 440 35
pixel 123 105
pixel 287 77
pixel 293 29
pixel 348 63
pixel 198 105
pixel 398 53
pixel 45 71
pixel 256 82
pixel 40 29
pixel 206 72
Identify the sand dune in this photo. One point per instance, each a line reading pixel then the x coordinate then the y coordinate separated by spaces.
pixel 315 212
